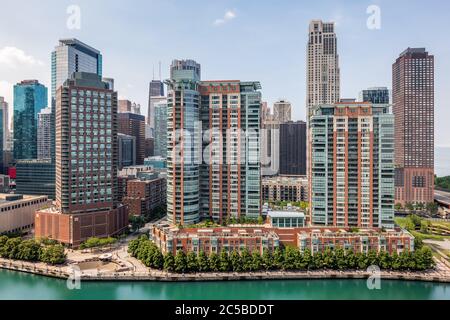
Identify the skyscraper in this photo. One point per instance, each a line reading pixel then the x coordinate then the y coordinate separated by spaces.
pixel 44 136
pixel 86 164
pixel 219 120
pixel 161 129
pixel 30 97
pixel 282 111
pixel 230 176
pixel 155 95
pixel 413 99
pixel 5 112
pixel 323 73
pixel 351 165
pixel 133 124
pixel 72 55
pixel 379 95
pixel 127 150
pixel 293 148
pixel 183 142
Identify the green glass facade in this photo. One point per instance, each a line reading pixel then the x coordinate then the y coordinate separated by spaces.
pixel 30 97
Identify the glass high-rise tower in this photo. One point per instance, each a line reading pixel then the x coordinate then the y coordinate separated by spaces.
pixel 71 55
pixel 30 97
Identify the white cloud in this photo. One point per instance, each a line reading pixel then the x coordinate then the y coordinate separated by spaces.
pixel 228 16
pixel 13 57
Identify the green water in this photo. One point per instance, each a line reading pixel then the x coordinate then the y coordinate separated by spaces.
pixel 15 285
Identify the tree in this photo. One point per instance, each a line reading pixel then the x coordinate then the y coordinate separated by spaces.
pixel 372 258
pixel 352 261
pixel 329 261
pixel 11 248
pixel 398 207
pixel 278 258
pixel 409 206
pixel 384 260
pixel 290 259
pixel 267 260
pixel 3 240
pixel 169 262
pixel 247 263
pixel 260 220
pixel 341 261
pixel 318 260
pixel 432 208
pixel 192 263
pixel 236 262
pixel 308 259
pixel 257 262
pixel 418 243
pixel 396 262
pixel 53 254
pixel 224 261
pixel 158 260
pixel 133 247
pixel 363 262
pixel 214 262
pixel 203 263
pixel 416 220
pixel 180 262
pixel 29 250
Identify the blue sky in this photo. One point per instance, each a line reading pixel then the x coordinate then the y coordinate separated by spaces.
pixel 232 39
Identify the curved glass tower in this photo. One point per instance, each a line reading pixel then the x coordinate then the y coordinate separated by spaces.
pixel 183 142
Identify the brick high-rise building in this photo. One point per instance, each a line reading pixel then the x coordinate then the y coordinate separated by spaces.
pixel 86 164
pixel 351 166
pixel 230 178
pixel 133 124
pixel 413 99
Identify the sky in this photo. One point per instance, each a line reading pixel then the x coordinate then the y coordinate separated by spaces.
pixel 249 40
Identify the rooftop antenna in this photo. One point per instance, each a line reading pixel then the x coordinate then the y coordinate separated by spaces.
pixel 153 72
pixel 160 71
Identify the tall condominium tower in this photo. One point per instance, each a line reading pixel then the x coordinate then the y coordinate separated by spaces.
pixel 413 99
pixel 323 74
pixel 230 175
pixel 213 154
pixel 282 111
pixel 270 146
pixel 86 164
pixel 44 136
pixel 30 97
pixel 5 122
pixel 132 124
pixel 183 142
pixel 379 95
pixel 72 55
pixel 161 129
pixel 155 91
pixel 351 165
pixel 292 148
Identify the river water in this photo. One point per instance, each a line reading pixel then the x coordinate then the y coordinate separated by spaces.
pixel 16 285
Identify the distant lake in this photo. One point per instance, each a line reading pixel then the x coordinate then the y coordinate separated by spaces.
pixel 442 161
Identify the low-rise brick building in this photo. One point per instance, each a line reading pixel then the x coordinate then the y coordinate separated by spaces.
pixel 145 194
pixel 171 239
